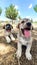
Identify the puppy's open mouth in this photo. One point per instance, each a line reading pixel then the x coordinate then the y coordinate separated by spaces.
pixel 8 30
pixel 26 32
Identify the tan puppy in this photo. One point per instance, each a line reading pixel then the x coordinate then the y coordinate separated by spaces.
pixel 8 33
pixel 25 38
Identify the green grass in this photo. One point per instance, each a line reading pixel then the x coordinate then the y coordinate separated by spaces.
pixel 35 22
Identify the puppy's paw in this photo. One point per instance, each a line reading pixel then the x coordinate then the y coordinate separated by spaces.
pixel 13 39
pixel 8 40
pixel 28 56
pixel 18 55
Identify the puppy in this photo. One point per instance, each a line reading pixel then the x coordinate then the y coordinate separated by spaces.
pixel 24 38
pixel 8 33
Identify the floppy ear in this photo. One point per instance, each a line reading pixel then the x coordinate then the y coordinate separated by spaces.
pixel 22 21
pixel 18 26
pixel 4 27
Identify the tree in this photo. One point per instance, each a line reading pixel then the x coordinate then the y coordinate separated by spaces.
pixel 0 10
pixel 35 8
pixel 11 12
pixel 19 17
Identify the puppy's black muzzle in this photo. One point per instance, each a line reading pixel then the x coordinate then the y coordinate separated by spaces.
pixel 8 29
pixel 28 24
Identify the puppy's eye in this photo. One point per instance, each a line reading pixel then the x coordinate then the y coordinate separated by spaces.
pixel 22 21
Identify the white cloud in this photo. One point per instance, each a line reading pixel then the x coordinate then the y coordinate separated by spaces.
pixel 30 6
pixel 16 6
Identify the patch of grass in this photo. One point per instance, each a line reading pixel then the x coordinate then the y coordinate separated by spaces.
pixel 34 22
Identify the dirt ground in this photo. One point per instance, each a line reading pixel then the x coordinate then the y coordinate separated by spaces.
pixel 7 52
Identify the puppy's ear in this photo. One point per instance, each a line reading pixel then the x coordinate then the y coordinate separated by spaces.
pixel 22 21
pixel 4 27
pixel 18 26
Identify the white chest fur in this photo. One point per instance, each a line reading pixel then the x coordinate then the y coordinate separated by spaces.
pixel 24 41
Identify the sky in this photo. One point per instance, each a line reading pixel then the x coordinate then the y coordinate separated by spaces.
pixel 25 7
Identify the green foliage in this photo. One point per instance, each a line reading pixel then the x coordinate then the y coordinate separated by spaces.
pixel 35 8
pixel 0 10
pixel 11 12
pixel 19 17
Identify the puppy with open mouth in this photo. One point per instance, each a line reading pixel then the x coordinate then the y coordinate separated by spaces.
pixel 8 33
pixel 24 38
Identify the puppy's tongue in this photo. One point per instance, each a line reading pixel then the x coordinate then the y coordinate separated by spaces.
pixel 27 33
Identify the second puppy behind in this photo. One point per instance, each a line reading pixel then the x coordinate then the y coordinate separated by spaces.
pixel 8 33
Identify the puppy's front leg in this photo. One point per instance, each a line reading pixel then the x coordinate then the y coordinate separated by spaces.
pixel 28 54
pixel 19 50
pixel 12 38
pixel 7 39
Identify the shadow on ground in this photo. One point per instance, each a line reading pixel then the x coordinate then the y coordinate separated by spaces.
pixel 7 52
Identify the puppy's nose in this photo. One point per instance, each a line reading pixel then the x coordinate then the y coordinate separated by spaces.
pixel 29 24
